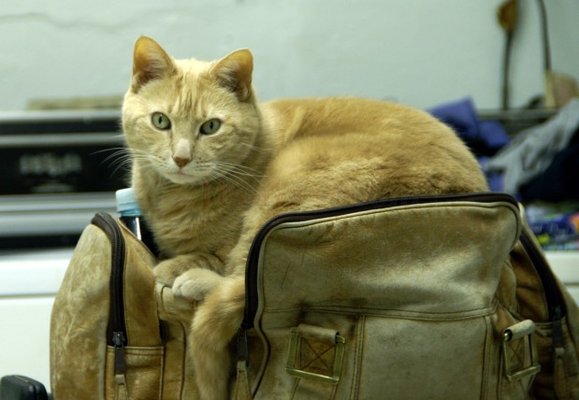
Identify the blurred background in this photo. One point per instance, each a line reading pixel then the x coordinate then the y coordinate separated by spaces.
pixel 502 73
pixel 419 52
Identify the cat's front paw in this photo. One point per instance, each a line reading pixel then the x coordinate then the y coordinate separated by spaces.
pixel 167 271
pixel 196 283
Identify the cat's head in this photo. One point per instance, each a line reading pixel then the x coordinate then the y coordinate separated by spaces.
pixel 190 121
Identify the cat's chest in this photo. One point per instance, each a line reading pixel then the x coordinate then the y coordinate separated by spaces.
pixel 185 217
pixel 184 225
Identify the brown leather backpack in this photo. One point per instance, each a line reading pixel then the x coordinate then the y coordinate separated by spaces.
pixel 445 297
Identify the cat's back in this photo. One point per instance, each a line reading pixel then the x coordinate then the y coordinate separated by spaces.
pixel 293 118
pixel 367 149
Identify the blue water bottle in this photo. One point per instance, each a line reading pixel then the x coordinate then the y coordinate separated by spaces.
pixel 129 211
pixel 131 216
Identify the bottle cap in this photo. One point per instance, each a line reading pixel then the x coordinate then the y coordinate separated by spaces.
pixel 127 203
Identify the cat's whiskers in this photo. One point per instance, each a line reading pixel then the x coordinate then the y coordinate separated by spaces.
pixel 117 152
pixel 145 157
pixel 242 173
pixel 118 158
pixel 123 161
pixel 239 183
pixel 241 169
pixel 236 178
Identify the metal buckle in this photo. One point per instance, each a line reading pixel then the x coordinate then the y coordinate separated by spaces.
pixel 519 351
pixel 308 367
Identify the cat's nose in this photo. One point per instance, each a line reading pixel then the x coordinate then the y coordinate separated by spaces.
pixel 182 153
pixel 181 161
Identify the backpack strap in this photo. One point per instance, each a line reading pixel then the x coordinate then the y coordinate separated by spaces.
pixel 562 350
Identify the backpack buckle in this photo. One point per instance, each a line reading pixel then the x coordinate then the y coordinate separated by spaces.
pixel 519 351
pixel 315 353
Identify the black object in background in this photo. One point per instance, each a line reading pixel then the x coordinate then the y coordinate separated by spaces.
pixel 61 152
pixel 560 181
pixel 18 387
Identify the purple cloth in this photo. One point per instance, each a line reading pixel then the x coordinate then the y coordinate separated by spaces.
pixel 484 138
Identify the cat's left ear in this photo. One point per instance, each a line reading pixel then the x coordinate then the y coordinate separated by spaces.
pixel 234 72
pixel 150 62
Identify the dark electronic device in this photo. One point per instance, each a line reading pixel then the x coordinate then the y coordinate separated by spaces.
pixel 18 387
pixel 56 170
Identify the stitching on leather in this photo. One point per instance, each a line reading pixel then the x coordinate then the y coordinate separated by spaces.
pixel 358 356
pixel 318 356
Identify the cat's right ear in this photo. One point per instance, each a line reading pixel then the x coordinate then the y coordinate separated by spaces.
pixel 150 62
pixel 234 71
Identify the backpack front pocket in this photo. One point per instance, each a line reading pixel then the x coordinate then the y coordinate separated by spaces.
pixel 143 376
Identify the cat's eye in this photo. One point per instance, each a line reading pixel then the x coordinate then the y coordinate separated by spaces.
pixel 161 121
pixel 209 127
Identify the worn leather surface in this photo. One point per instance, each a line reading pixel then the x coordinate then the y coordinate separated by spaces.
pixel 559 375
pixel 78 323
pixel 420 294
pixel 411 289
pixel 82 364
pixel 176 315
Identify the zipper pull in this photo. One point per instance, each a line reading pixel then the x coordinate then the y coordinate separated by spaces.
pixel 120 366
pixel 241 390
pixel 557 328
pixel 242 346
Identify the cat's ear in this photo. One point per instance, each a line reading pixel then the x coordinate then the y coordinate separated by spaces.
pixel 234 72
pixel 150 62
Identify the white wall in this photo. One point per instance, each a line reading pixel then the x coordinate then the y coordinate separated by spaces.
pixel 421 52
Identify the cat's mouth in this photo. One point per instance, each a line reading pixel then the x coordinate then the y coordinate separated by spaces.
pixel 183 176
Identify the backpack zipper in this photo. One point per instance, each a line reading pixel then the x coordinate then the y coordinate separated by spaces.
pixel 555 303
pixel 253 256
pixel 116 330
pixel 553 296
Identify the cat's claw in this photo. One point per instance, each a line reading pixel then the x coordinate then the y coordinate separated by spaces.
pixel 196 283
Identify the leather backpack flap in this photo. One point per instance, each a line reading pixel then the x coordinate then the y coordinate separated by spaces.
pixel 155 326
pixel 543 298
pixel 407 293
pixel 78 322
pixel 90 307
pixel 158 324
pixel 155 348
pixel 176 315
pixel 143 354
pixel 139 291
pixel 567 363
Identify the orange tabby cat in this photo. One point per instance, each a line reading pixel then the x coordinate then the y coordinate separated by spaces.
pixel 211 165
